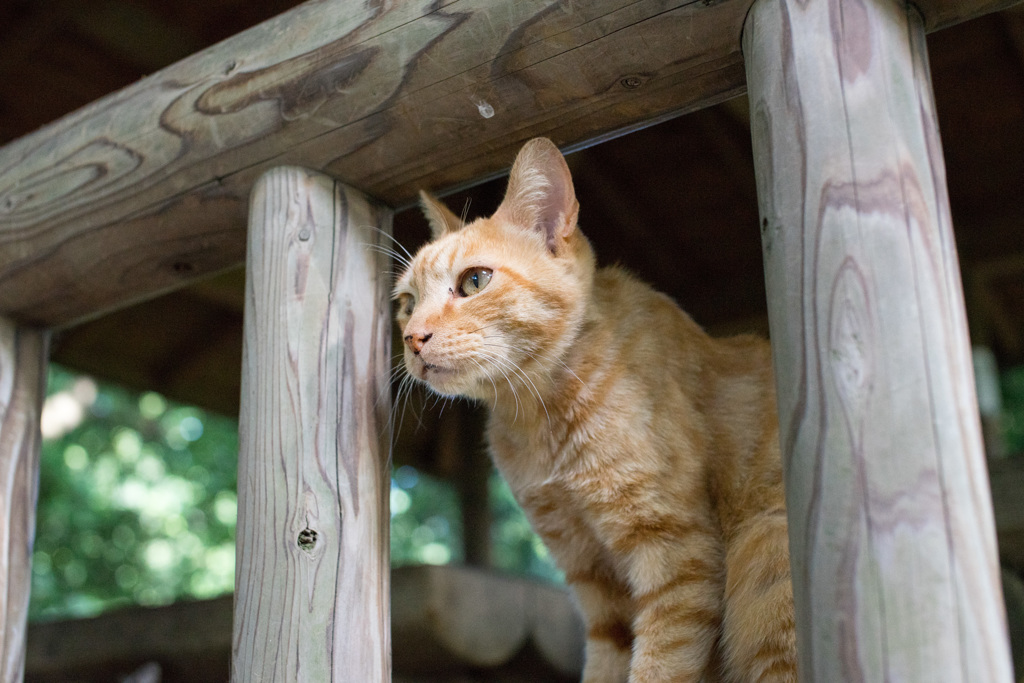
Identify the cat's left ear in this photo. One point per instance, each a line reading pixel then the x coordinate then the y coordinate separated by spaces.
pixel 540 195
pixel 442 220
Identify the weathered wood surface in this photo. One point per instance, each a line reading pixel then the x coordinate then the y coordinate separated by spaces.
pixel 894 558
pixel 190 640
pixel 451 619
pixel 312 542
pixel 939 14
pixel 145 190
pixel 22 387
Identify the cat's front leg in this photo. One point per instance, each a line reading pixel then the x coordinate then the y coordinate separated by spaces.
pixel 678 585
pixel 602 595
pixel 607 614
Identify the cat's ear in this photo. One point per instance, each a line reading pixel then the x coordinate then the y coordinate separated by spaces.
pixel 540 195
pixel 442 220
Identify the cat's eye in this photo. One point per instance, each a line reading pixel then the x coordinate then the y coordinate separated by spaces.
pixel 473 280
pixel 405 304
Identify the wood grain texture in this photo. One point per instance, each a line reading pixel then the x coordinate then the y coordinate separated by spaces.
pixel 940 14
pixel 449 623
pixel 451 618
pixel 145 190
pixel 894 561
pixel 190 640
pixel 22 388
pixel 311 595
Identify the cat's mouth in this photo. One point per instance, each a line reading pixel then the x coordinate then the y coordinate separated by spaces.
pixel 436 369
pixel 444 380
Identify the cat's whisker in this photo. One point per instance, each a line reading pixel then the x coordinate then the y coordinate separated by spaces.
pixel 394 258
pixel 484 327
pixel 519 372
pixel 390 424
pixel 434 395
pixel 515 394
pixel 387 251
pixel 402 400
pixel 396 370
pixel 489 379
pixel 465 210
pixel 392 238
pixel 396 364
pixel 448 401
pixel 536 356
pixel 536 391
pixel 410 383
pixel 402 390
pixel 522 372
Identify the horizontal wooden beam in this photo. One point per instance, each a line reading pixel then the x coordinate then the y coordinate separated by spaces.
pixel 446 620
pixel 939 14
pixel 145 190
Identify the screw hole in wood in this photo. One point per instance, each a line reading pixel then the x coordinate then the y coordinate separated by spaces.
pixel 631 82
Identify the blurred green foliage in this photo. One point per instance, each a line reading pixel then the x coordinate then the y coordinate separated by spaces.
pixel 426 526
pixel 137 500
pixel 137 505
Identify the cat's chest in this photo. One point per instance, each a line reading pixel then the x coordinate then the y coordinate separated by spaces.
pixel 562 454
pixel 524 456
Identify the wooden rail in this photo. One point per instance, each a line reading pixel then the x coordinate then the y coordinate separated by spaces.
pixel 447 623
pixel 145 190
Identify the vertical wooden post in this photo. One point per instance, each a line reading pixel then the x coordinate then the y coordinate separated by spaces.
pixel 312 575
pixel 894 560
pixel 22 387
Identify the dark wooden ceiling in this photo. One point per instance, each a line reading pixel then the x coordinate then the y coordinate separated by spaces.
pixel 675 202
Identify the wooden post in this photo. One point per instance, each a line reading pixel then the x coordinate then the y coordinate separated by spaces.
pixel 894 559
pixel 312 576
pixel 22 387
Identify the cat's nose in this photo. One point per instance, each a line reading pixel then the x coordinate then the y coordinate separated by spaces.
pixel 416 342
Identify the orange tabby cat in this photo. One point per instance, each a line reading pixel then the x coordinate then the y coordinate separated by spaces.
pixel 644 452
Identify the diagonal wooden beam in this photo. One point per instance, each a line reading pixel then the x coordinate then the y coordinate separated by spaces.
pixel 145 190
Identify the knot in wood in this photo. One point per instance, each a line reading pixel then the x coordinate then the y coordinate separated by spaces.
pixel 307 539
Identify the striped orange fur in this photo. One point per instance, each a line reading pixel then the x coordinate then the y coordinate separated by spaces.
pixel 644 452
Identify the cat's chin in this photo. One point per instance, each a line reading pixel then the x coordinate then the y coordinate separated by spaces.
pixel 444 381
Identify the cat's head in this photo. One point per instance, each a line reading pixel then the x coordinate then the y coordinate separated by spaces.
pixel 497 302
